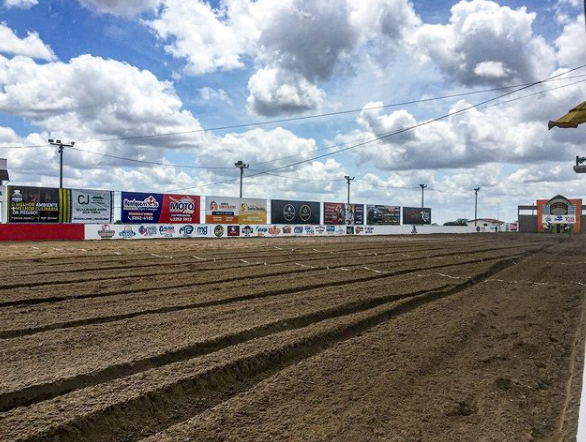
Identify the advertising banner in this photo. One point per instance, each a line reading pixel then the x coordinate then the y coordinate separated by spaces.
pixel 180 209
pixel 33 204
pixel 416 215
pixel 340 213
pixel 295 212
pixel 379 215
pixel 158 208
pixel 224 210
pixel 140 207
pixel 90 206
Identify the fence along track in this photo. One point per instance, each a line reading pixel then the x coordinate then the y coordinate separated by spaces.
pixel 7 334
pixel 238 375
pixel 36 393
pixel 38 300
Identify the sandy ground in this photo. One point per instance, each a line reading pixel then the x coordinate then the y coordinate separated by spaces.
pixel 414 338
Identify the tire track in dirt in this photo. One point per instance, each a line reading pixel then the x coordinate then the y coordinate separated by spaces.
pixel 7 334
pixel 174 402
pixel 40 392
pixel 242 265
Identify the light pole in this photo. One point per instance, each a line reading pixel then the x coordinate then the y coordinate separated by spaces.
pixel 61 146
pixel 348 179
pixel 423 186
pixel 476 189
pixel 241 166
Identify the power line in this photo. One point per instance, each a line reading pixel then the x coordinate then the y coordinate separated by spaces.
pixel 308 117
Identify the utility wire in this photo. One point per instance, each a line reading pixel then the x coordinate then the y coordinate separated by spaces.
pixel 400 131
pixel 308 117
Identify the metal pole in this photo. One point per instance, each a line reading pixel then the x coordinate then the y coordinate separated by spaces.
pixel 423 186
pixel 348 179
pixel 476 189
pixel 61 145
pixel 60 166
pixel 241 166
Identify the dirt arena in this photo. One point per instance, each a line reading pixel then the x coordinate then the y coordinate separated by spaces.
pixel 474 338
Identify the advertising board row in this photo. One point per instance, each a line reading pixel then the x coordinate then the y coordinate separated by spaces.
pixel 158 231
pixel 50 205
pixel 28 204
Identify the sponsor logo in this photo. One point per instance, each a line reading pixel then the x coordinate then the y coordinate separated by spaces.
pixel 359 230
pixel 570 219
pixel 202 231
pixel 331 229
pixel 147 230
pixel 341 231
pixel 186 230
pixel 309 231
pixel 106 232
pixel 304 213
pixel 559 218
pixel 181 209
pixel 287 229
pixel 289 212
pixel 297 230
pixel 219 231
pixel 127 232
pixel 262 229
pixel 274 230
pixel 247 230
pixel 369 230
pixel 350 230
pixel 149 203
pixel 16 196
pixel 320 229
pixel 167 231
pixel 233 230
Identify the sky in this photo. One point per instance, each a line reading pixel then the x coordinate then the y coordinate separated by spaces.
pixel 167 95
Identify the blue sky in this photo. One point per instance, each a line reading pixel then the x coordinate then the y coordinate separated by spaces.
pixel 118 76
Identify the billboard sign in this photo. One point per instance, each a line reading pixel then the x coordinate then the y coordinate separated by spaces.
pixel 416 215
pixel 379 215
pixel 340 213
pixel 224 210
pixel 90 206
pixel 28 204
pixel 295 212
pixel 140 208
pixel 180 209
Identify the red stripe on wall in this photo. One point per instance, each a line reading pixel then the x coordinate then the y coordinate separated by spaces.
pixel 41 232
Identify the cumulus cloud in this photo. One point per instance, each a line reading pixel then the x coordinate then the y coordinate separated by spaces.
pixel 30 46
pixel 23 4
pixel 201 35
pixel 124 8
pixel 276 91
pixel 91 98
pixel 571 47
pixel 486 44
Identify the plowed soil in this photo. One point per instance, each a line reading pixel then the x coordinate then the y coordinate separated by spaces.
pixel 474 338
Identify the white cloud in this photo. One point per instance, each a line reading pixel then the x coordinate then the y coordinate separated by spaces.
pixel 124 8
pixel 274 91
pixel 571 47
pixel 23 4
pixel 30 46
pixel 486 44
pixel 199 34
pixel 209 94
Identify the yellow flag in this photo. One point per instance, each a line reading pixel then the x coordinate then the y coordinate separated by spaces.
pixel 573 118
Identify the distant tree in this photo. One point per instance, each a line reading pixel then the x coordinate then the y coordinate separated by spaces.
pixel 458 222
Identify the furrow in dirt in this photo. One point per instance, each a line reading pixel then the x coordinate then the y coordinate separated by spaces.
pixel 39 392
pixel 229 294
pixel 236 376
pixel 16 295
